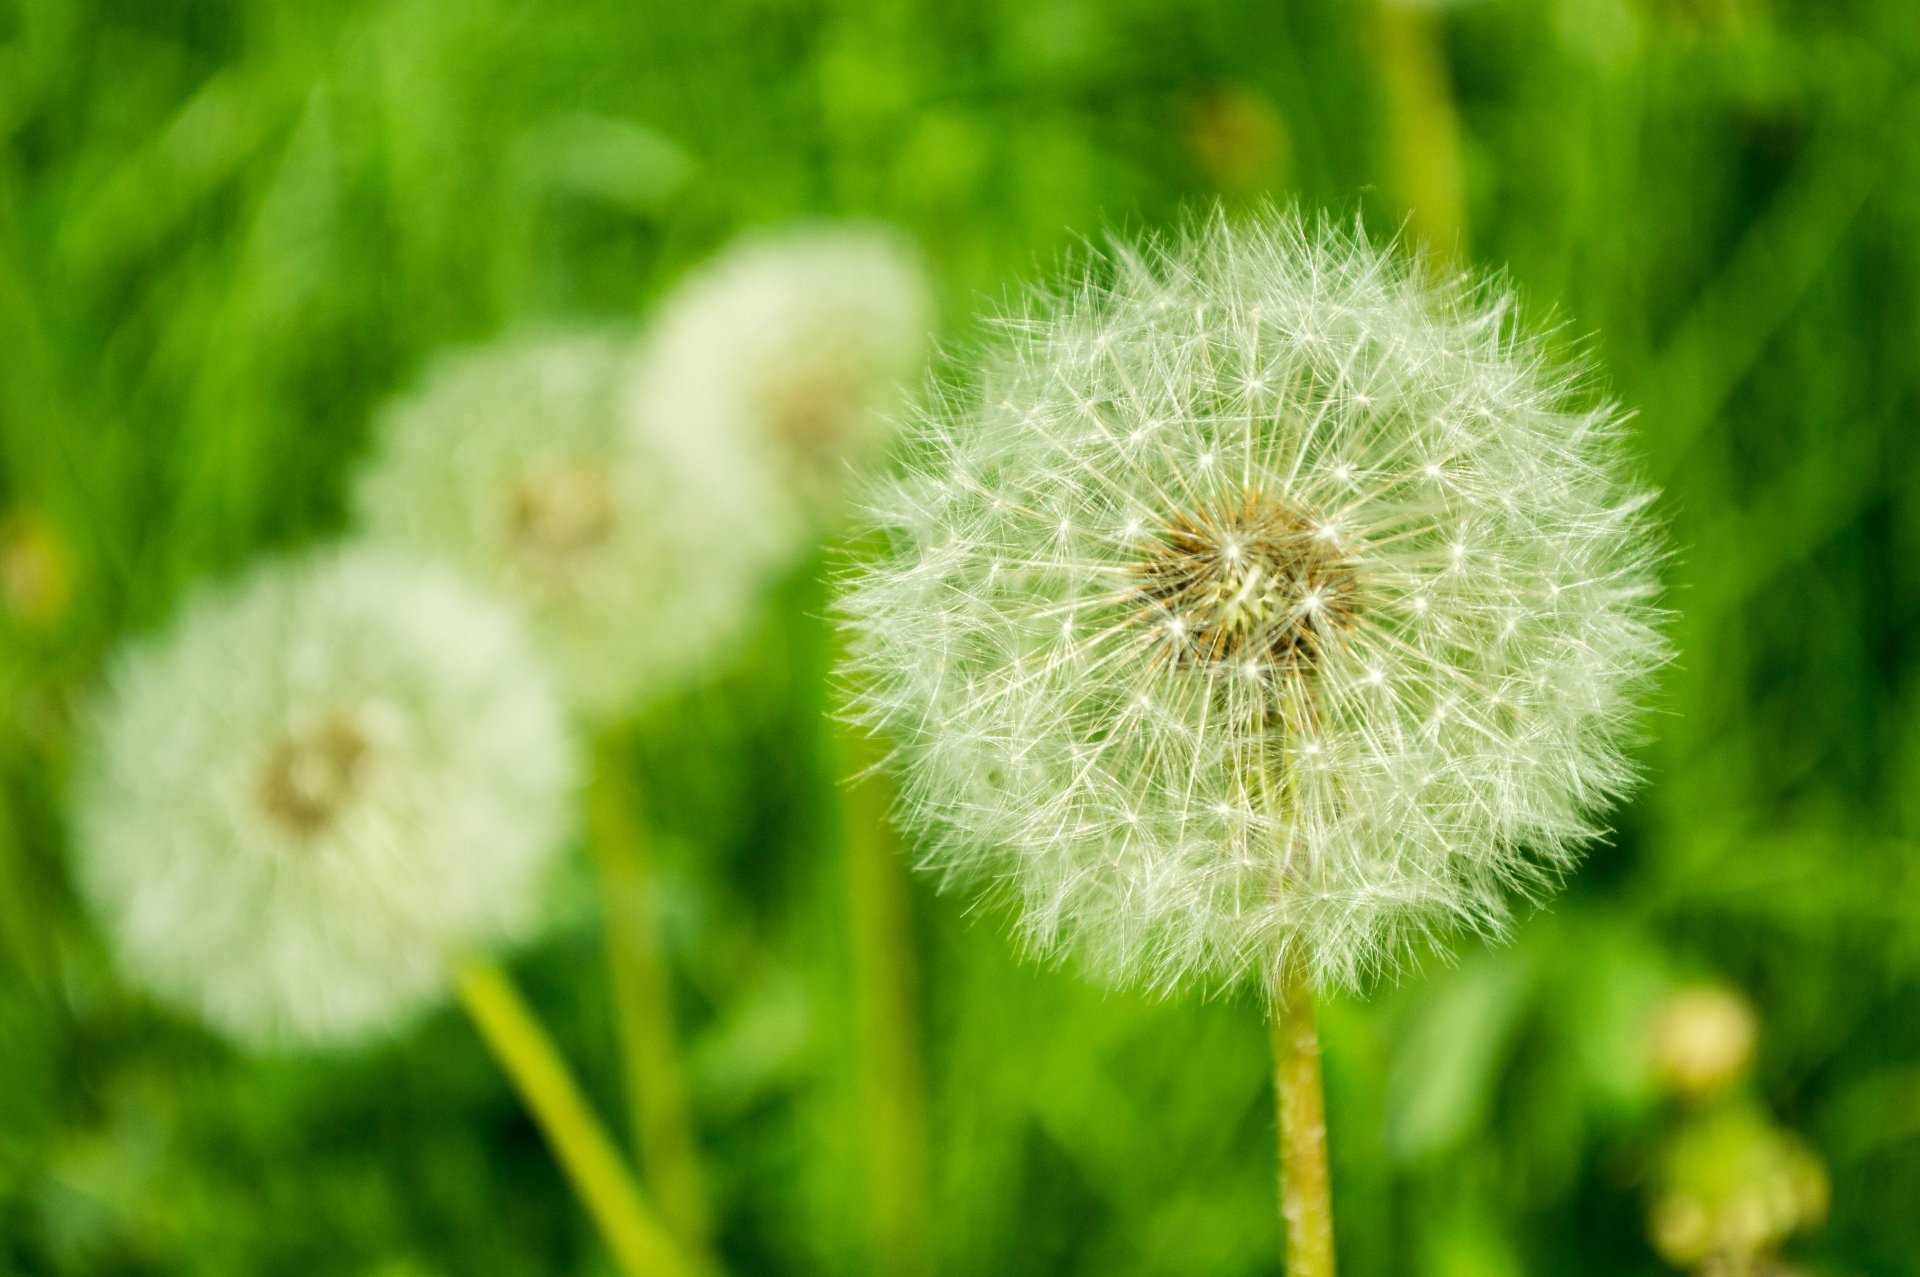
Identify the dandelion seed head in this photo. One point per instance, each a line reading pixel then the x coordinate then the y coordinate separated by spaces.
pixel 637 547
pixel 1366 505
pixel 322 781
pixel 799 340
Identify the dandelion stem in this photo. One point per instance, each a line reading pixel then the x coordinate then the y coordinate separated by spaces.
pixel 1422 127
pixel 640 1243
pixel 1306 1195
pixel 662 1121
pixel 890 1079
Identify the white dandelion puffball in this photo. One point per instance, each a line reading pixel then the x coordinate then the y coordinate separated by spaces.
pixel 321 783
pixel 638 548
pixel 800 340
pixel 1261 605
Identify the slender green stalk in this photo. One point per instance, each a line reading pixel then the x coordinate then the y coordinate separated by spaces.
pixel 888 1069
pixel 26 941
pixel 1306 1193
pixel 1422 128
pixel 638 1240
pixel 664 1136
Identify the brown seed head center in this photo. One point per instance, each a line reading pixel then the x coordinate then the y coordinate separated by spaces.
pixel 811 409
pixel 312 774
pixel 560 512
pixel 1247 579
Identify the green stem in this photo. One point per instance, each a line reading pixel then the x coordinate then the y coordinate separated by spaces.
pixel 1422 127
pixel 889 1074
pixel 640 1244
pixel 1306 1193
pixel 26 939
pixel 662 1119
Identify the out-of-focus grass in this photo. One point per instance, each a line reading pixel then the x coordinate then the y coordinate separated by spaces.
pixel 226 230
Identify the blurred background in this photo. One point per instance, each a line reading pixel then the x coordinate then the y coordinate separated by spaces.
pixel 229 230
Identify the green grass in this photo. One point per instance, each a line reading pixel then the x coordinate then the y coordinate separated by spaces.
pixel 227 231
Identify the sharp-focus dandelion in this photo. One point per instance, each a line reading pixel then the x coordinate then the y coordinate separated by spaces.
pixel 319 785
pixel 1262 605
pixel 637 546
pixel 798 340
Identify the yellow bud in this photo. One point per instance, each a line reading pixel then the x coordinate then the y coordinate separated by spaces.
pixel 1703 1039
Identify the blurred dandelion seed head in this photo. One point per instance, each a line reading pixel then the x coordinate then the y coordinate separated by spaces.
pixel 319 783
pixel 313 773
pixel 1260 600
pixel 563 513
pixel 799 340
pixel 637 546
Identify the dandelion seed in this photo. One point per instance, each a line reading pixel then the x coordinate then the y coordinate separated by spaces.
pixel 798 340
pixel 637 547
pixel 1233 654
pixel 322 782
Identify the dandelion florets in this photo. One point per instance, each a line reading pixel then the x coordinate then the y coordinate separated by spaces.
pixel 637 546
pixel 318 786
pixel 1261 601
pixel 800 340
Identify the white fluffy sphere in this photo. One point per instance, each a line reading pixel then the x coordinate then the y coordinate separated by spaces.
pixel 1262 601
pixel 798 340
pixel 638 547
pixel 321 782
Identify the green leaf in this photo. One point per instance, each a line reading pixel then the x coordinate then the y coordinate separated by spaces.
pixel 1450 1051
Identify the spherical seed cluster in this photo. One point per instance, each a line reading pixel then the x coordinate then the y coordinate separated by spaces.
pixel 637 545
pixel 320 783
pixel 799 340
pixel 1261 602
